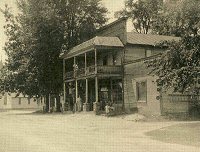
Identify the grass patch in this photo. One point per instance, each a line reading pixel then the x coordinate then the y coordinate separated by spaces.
pixel 184 134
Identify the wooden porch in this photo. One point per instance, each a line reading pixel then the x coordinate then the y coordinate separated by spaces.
pixel 89 64
pixel 92 70
pixel 93 92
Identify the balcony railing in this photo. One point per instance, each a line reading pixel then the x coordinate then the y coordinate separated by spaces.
pixel 109 69
pixel 80 72
pixel 92 70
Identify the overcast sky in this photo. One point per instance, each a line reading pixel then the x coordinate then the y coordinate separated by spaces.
pixel 111 5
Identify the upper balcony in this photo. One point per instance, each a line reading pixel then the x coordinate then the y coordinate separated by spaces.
pixel 94 70
pixel 97 56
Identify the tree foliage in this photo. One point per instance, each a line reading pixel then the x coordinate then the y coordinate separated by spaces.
pixel 179 67
pixel 142 12
pixel 37 36
pixel 179 19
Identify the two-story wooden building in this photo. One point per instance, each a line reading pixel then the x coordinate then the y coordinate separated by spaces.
pixel 109 69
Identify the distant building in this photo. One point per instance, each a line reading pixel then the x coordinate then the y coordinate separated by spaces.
pixel 11 101
pixel 109 69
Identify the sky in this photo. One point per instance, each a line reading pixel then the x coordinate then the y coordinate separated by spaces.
pixel 111 5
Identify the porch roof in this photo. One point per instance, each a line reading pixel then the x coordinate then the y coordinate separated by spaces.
pixel 148 39
pixel 97 41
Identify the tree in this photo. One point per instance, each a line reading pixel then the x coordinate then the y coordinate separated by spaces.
pixel 179 19
pixel 37 36
pixel 142 12
pixel 179 67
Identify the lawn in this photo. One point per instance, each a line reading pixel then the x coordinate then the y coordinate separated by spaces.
pixel 184 134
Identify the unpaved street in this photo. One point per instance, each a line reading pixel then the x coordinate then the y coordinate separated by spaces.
pixel 22 131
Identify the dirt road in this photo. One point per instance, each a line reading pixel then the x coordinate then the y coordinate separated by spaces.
pixel 21 131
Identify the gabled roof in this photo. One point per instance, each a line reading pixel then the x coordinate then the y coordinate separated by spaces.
pixel 148 39
pixel 93 43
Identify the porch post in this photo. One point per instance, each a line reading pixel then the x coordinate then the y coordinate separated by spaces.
pixel 64 87
pixel 96 104
pixel 111 89
pixel 85 63
pixel 76 90
pixel 86 106
pixel 49 103
pixel 74 66
pixel 96 89
pixel 95 54
pixel 86 90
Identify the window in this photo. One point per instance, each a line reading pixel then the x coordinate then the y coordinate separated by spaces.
pixel 20 101
pixel 148 53
pixel 141 91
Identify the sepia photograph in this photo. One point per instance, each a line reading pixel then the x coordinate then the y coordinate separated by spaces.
pixel 99 75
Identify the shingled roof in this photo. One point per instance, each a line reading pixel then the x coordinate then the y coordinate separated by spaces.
pixel 132 38
pixel 148 39
pixel 93 43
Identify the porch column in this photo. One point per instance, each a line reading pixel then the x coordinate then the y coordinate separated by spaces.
pixel 55 103
pixel 74 66
pixel 96 104
pixel 85 63
pixel 95 54
pixel 86 106
pixel 96 89
pixel 86 90
pixel 49 103
pixel 64 87
pixel 76 83
pixel 111 89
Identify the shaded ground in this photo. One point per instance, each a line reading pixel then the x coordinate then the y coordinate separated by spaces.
pixel 21 131
pixel 185 134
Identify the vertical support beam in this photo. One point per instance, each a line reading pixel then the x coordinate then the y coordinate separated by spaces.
pixel 74 60
pixel 76 83
pixel 95 54
pixel 76 90
pixel 86 90
pixel 123 78
pixel 64 87
pixel 96 89
pixel 74 66
pixel 55 103
pixel 49 102
pixel 86 105
pixel 111 89
pixel 85 64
